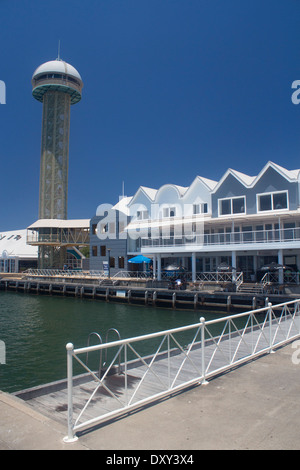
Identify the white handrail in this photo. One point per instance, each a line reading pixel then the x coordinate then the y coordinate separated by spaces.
pixel 283 235
pixel 240 338
pixel 64 273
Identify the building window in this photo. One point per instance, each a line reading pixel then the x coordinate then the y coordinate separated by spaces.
pixel 111 262
pixel 142 215
pixel 102 250
pixel 94 229
pixel 104 228
pixel 200 208
pixel 94 250
pixel 121 262
pixel 272 201
pixel 196 209
pixel 169 212
pixel 234 205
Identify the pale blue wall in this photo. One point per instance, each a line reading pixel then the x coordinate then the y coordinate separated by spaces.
pixel 270 181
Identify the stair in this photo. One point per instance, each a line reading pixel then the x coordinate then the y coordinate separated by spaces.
pixel 251 288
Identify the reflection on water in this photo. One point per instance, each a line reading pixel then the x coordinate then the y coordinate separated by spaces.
pixel 36 329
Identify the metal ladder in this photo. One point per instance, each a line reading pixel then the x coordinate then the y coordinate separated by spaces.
pixel 102 364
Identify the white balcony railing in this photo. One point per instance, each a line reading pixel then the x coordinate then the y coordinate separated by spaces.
pixel 230 238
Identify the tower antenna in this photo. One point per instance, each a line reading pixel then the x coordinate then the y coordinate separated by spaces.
pixel 58 52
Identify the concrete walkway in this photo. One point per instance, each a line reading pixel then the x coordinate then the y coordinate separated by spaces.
pixel 256 406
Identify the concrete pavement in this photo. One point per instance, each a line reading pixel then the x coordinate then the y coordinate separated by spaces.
pixel 256 406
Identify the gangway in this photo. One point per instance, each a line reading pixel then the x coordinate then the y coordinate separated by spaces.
pixel 172 361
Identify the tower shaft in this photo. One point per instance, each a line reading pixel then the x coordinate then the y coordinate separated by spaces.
pixel 53 193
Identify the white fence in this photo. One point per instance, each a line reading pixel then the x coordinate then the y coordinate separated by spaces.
pixel 216 276
pixel 176 359
pixel 64 273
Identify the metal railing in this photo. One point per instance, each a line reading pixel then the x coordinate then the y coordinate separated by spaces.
pixel 214 276
pixel 225 238
pixel 64 273
pixel 133 274
pixel 203 277
pixel 181 357
pixel 273 278
pixel 63 237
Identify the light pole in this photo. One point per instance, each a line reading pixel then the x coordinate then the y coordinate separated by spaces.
pixel 108 251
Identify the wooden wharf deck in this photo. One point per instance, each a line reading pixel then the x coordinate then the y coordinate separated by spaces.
pixel 181 369
pixel 209 297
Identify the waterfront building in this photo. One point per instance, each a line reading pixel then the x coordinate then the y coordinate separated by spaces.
pixel 245 222
pixel 15 254
pixel 60 241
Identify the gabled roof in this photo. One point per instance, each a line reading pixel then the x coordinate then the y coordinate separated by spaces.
pixel 290 175
pixel 244 179
pixel 150 193
pixel 250 181
pixel 123 204
pixel 211 184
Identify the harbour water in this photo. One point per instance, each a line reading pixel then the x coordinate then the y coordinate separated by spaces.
pixel 35 330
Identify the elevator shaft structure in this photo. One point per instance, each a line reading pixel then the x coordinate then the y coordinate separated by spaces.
pixel 54 156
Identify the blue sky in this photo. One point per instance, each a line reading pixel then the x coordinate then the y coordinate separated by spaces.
pixel 172 89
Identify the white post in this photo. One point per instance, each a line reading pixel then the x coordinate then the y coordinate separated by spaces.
pixel 280 261
pixel 154 266
pixel 193 267
pixel 270 326
pixel 159 267
pixel 71 437
pixel 202 321
pixel 234 266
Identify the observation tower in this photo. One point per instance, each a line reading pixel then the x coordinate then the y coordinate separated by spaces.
pixel 57 85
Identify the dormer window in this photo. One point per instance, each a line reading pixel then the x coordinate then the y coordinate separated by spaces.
pixel 272 201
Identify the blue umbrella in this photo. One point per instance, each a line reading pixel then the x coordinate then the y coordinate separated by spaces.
pixel 139 259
